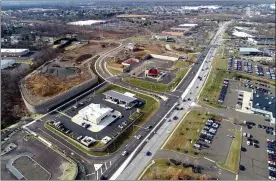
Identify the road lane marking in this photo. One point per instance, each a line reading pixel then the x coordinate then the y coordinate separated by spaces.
pixel 209 159
pixel 97 175
pixel 237 177
pixel 64 114
pixel 105 165
pixel 64 145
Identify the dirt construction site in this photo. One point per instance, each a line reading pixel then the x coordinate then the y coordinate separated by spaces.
pixel 69 69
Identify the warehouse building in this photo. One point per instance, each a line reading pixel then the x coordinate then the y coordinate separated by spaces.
pixel 13 52
pixel 262 41
pixel 126 99
pixel 6 63
pixel 250 51
pixel 264 104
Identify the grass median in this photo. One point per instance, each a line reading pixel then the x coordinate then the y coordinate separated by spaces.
pixel 233 159
pixel 158 87
pixel 113 71
pixel 187 132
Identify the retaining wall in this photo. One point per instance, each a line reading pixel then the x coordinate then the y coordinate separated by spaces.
pixel 44 106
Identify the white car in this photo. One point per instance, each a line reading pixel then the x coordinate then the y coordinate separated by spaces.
pixel 270 151
pixel 137 136
pixel 248 143
pixel 272 163
pixel 271 178
pixel 272 169
pixel 124 153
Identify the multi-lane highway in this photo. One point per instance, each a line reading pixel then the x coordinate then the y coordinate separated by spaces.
pixel 112 162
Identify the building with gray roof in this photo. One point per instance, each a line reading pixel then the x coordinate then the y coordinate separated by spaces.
pixel 264 104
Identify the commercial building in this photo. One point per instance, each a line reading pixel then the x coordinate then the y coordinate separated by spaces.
pixel 126 99
pixel 95 113
pixel 6 63
pixel 242 34
pixel 262 41
pixel 13 52
pixel 152 72
pixel 187 25
pixel 264 104
pixel 250 51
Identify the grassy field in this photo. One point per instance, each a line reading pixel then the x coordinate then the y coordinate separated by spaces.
pixel 69 171
pixel 180 64
pixel 138 39
pixel 113 71
pixel 163 169
pixel 233 159
pixel 158 87
pixel 187 132
pixel 215 79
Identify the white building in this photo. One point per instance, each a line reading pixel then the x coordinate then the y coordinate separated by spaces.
pixel 87 141
pixel 13 52
pixel 87 22
pixel 242 34
pixel 95 113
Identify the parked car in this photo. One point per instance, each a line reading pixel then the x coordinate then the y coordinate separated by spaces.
pixel 272 169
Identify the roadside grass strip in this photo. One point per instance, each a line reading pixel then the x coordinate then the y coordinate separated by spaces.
pixel 163 169
pixel 233 159
pixel 113 71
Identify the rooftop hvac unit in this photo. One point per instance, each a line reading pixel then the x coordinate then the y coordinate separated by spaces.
pixel 269 102
pixel 257 95
pixel 257 104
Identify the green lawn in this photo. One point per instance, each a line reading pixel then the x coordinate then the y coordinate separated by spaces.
pixel 158 87
pixel 187 132
pixel 68 171
pixel 163 169
pixel 180 64
pixel 113 71
pixel 233 159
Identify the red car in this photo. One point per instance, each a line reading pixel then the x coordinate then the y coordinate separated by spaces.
pixel 272 160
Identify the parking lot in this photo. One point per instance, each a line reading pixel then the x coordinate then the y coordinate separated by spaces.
pixel 251 68
pixel 215 139
pixel 235 92
pixel 41 154
pixel 78 132
pixel 255 158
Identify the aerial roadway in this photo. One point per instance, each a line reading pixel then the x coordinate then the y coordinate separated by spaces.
pixel 115 163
